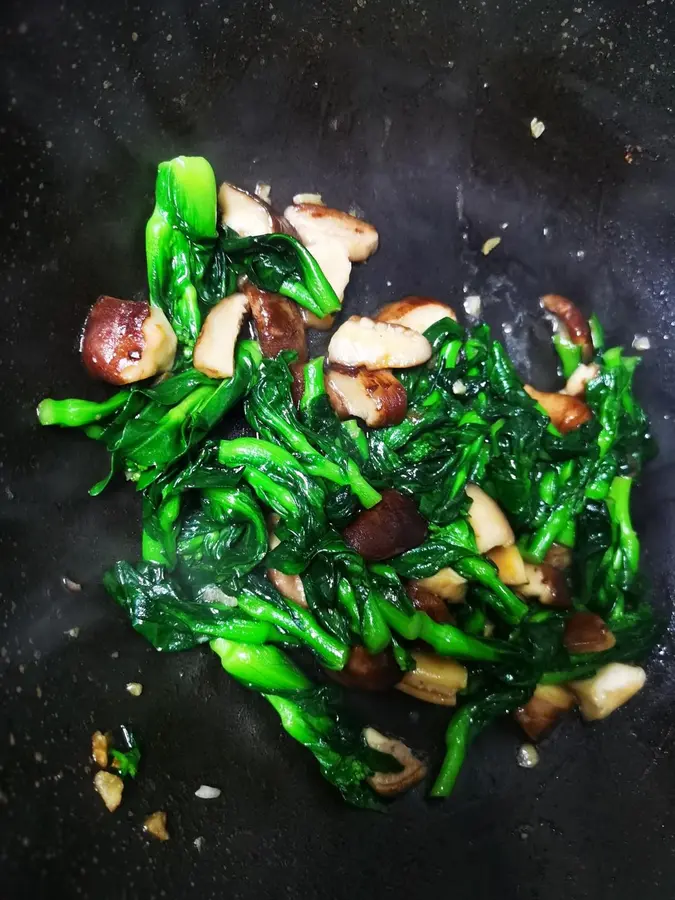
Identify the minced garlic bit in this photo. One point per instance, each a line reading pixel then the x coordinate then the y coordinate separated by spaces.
pixel 110 788
pixel 459 387
pixel 537 128
pixel 206 792
pixel 155 825
pixel 135 688
pixel 73 586
pixel 640 342
pixel 490 245
pixel 99 748
pixel 264 191
pixel 316 199
pixel 473 306
pixel 527 756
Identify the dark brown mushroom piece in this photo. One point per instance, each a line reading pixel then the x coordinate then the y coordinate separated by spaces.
pixel 125 341
pixel 587 633
pixel 565 412
pixel 392 526
pixel 298 383
pixel 248 214
pixel 573 320
pixel 546 584
pixel 368 671
pixel 429 602
pixel 278 322
pixel 377 397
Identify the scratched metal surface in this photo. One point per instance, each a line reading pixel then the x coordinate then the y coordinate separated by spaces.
pixel 418 113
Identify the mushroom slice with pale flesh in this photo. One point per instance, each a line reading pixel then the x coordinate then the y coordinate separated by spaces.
pixel 490 526
pixel 214 350
pixel 314 223
pixel 311 320
pixel 376 345
pixel 572 320
pixel 247 214
pixel 547 584
pixel 388 784
pixel 334 263
pixel 377 397
pixel 576 383
pixel 607 690
pixel 126 341
pixel 565 412
pixel 392 526
pixel 289 586
pixel 446 583
pixel 543 709
pixel 435 679
pixel 278 322
pixel 418 313
pixel 510 564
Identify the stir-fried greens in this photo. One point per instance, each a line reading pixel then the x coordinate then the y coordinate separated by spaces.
pixel 479 457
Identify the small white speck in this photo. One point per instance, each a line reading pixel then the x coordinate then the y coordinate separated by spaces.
pixel 198 842
pixel 581 254
pixel 49 145
pixel 106 85
pixel 507 328
pixel 135 688
pixel 206 792
pixel 73 632
pixel 169 37
pixel 472 306
pixel 389 284
pixel 537 128
pixel 504 226
pixel 115 654
pixel 38 756
pixel 459 387
pixel 640 342
pixel 545 232
pixel 23 28
pixel 134 36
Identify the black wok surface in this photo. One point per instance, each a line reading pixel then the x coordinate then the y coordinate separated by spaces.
pixel 418 113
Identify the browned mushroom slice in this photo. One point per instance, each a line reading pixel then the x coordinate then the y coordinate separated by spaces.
pixel 587 633
pixel 298 383
pixel 571 317
pixel 248 214
pixel 377 345
pixel 390 527
pixel 126 341
pixel 546 584
pixel 214 350
pixel 543 709
pixel 278 322
pixel 510 564
pixel 435 679
pixel 418 313
pixel 559 556
pixel 368 671
pixel 315 223
pixel 576 383
pixel 429 602
pixel 446 583
pixel 566 413
pixel 388 784
pixel 490 526
pixel 378 397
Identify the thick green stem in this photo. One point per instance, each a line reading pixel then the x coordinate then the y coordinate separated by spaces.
pixel 78 413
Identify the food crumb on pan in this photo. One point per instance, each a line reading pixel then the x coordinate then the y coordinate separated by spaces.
pixel 135 688
pixel 537 128
pixel 527 756
pixel 490 245
pixel 71 585
pixel 110 787
pixel 155 825
pixel 640 342
pixel 206 792
pixel 473 306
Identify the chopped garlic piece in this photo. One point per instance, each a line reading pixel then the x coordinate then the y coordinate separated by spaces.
pixel 490 245
pixel 155 825
pixel 316 199
pixel 473 306
pixel 110 788
pixel 527 756
pixel 537 128
pixel 206 792
pixel 135 688
pixel 640 342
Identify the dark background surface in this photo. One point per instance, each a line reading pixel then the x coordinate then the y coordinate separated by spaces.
pixel 417 113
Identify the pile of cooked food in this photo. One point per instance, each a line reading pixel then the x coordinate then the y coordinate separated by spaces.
pixel 404 513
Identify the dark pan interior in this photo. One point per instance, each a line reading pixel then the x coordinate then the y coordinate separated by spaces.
pixel 417 113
